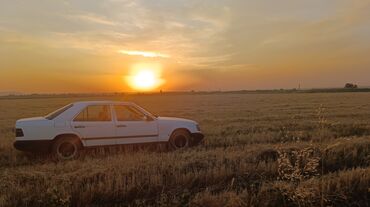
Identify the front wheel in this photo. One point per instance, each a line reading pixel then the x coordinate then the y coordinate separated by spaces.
pixel 180 139
pixel 66 148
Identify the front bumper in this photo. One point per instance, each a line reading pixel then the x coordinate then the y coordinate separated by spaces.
pixel 33 145
pixel 197 138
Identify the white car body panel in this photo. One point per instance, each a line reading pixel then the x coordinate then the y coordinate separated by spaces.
pixel 93 131
pixel 147 130
pixel 101 133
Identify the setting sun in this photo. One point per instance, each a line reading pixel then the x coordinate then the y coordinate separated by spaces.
pixel 144 80
pixel 145 77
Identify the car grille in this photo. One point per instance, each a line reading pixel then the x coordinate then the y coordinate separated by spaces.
pixel 19 133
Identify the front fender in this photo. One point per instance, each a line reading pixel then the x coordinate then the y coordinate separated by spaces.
pixel 166 128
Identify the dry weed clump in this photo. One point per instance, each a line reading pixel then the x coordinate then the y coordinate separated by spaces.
pixel 297 165
pixel 295 195
pixel 347 188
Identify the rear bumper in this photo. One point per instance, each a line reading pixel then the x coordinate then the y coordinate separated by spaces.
pixel 33 145
pixel 197 138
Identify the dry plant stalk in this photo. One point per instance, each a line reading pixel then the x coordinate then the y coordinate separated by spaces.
pixel 298 165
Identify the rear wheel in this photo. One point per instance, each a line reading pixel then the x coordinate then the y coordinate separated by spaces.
pixel 180 139
pixel 66 148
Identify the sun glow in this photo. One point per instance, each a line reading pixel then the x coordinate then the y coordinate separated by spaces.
pixel 144 77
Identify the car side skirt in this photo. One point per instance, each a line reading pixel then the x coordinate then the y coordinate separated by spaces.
pixel 118 140
pixel 44 146
pixel 121 137
pixel 118 145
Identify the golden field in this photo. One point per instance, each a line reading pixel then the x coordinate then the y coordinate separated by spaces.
pixel 299 149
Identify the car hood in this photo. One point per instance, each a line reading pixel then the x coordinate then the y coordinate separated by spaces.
pixel 175 119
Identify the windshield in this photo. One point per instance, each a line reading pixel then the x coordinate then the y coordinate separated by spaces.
pixel 56 113
pixel 146 111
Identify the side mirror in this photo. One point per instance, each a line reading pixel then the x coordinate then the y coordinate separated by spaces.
pixel 148 118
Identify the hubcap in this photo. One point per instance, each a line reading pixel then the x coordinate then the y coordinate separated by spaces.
pixel 180 141
pixel 67 150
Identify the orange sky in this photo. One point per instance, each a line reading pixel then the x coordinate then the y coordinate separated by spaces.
pixel 92 46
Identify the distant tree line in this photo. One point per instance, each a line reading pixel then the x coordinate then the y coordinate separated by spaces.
pixel 350 86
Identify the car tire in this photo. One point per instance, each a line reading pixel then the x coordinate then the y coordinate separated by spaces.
pixel 180 139
pixel 66 148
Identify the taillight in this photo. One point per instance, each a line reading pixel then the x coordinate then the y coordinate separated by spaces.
pixel 19 133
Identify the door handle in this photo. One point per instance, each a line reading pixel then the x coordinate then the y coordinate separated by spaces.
pixel 121 125
pixel 79 127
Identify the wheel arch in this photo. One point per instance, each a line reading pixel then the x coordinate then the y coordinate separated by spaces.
pixel 195 138
pixel 61 136
pixel 179 129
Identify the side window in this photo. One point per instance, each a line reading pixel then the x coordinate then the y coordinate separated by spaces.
pixel 128 113
pixel 95 113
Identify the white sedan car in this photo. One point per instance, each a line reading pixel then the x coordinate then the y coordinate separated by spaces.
pixel 101 123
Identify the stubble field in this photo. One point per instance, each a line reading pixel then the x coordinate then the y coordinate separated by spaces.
pixel 259 150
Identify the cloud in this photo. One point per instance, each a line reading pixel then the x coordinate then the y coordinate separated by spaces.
pixel 92 18
pixel 143 53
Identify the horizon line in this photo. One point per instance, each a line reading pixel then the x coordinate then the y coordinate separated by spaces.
pixel 16 93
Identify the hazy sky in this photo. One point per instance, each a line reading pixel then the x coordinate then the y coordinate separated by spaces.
pixel 90 46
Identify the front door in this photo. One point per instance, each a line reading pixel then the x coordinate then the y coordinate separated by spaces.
pixel 132 126
pixel 95 125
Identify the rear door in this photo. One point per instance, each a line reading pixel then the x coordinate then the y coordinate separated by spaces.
pixel 95 125
pixel 133 126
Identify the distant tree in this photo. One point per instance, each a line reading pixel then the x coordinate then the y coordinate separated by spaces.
pixel 350 86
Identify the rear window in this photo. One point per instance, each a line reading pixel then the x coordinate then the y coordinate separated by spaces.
pixel 58 112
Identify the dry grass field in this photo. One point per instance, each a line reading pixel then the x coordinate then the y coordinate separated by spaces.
pixel 259 150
